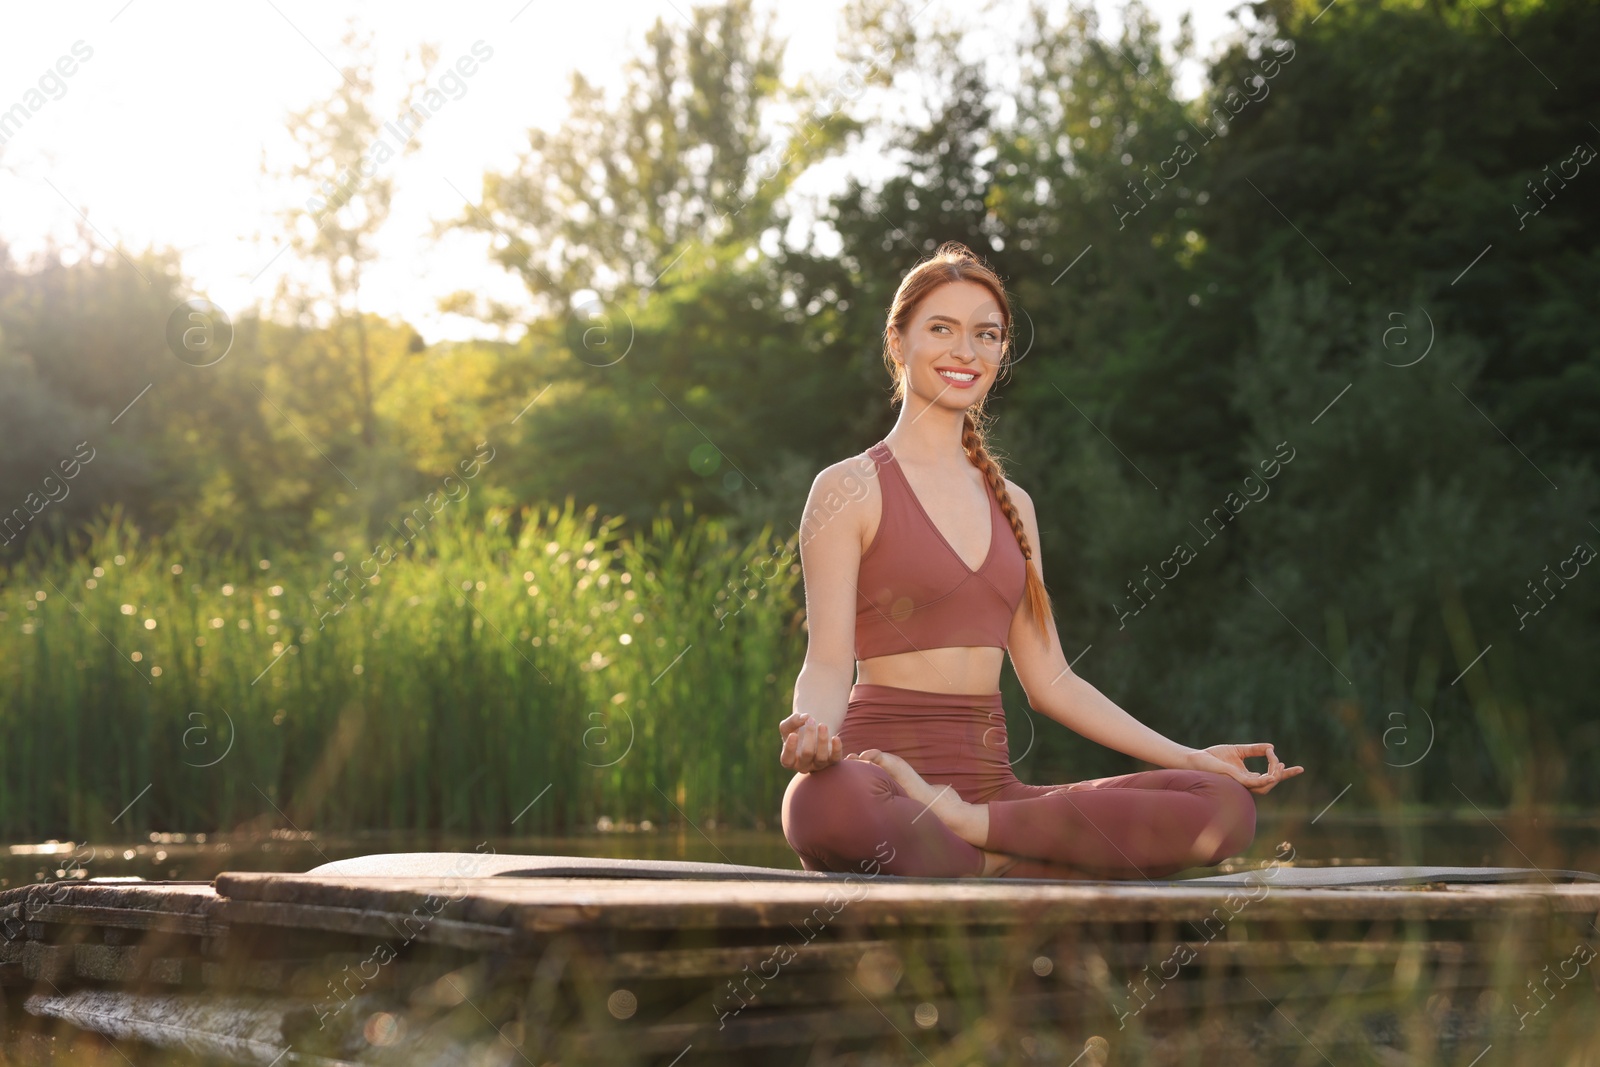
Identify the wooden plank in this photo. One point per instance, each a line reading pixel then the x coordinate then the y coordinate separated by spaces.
pixel 308 977
pixel 697 962
pixel 917 975
pixel 856 1014
pixel 46 963
pixel 147 918
pixel 236 1029
pixel 550 904
pixel 170 970
pixel 132 963
pixel 1130 956
pixel 845 955
pixel 891 909
pixel 107 963
pixel 250 941
pixel 553 903
pixel 367 923
pixel 857 1018
pixel 185 897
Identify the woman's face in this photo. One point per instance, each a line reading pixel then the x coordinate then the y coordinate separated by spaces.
pixel 955 331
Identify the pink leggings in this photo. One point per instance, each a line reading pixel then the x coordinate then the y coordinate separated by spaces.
pixel 1149 824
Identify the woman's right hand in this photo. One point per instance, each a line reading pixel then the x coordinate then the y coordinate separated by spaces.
pixel 807 745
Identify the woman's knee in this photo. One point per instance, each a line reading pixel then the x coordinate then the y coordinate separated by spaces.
pixel 826 811
pixel 841 785
pixel 1235 817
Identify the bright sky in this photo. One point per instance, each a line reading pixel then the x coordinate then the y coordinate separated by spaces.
pixel 159 132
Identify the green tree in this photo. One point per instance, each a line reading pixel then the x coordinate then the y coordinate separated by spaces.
pixel 348 146
pixel 610 200
pixel 659 326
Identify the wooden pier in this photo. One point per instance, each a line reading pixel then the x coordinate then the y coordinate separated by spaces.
pixel 435 958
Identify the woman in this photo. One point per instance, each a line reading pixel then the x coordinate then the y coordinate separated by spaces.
pixel 920 573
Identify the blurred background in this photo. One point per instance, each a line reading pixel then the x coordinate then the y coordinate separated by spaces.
pixel 407 416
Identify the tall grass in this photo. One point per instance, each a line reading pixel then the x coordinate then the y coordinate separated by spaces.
pixel 482 680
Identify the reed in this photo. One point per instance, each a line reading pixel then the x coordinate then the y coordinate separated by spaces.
pixel 527 672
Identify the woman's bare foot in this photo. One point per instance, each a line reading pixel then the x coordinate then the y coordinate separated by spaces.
pixel 970 822
pixel 996 864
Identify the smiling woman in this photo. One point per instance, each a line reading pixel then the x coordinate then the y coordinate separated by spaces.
pixel 921 587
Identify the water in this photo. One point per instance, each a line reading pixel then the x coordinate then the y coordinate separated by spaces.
pixel 1545 840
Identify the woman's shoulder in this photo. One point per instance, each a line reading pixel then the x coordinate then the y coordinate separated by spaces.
pixel 845 487
pixel 849 475
pixel 852 478
pixel 1025 510
pixel 1021 501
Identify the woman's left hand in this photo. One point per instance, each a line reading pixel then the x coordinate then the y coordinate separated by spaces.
pixel 1229 760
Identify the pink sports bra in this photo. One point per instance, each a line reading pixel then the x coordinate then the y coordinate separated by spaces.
pixel 915 593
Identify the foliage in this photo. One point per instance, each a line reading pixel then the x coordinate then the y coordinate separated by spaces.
pixel 476 668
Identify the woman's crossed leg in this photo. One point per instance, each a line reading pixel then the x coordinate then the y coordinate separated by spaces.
pixel 1147 824
pixel 854 812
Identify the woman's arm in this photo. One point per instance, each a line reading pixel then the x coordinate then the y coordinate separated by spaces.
pixel 1054 690
pixel 830 561
pixel 1078 705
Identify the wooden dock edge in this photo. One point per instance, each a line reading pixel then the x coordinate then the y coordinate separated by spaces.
pixel 328 969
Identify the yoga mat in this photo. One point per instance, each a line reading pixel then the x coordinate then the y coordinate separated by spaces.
pixel 479 865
